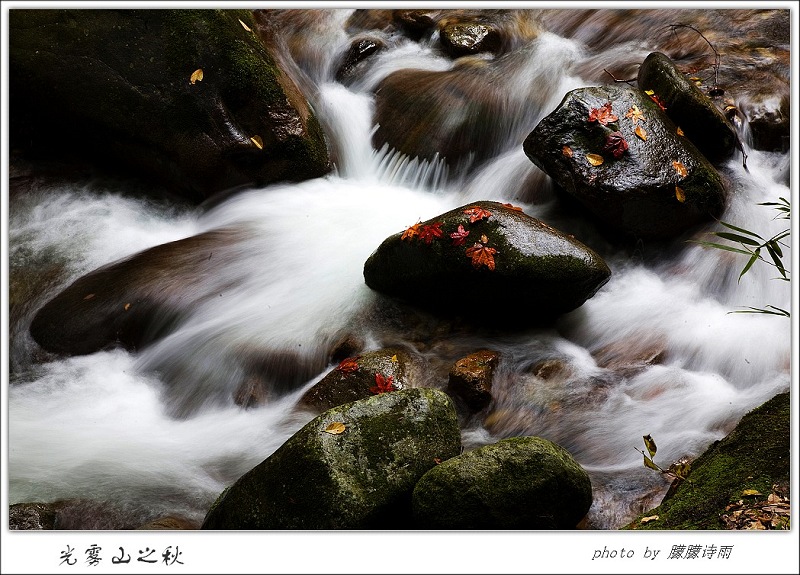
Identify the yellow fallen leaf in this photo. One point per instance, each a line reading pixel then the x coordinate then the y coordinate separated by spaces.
pixel 127 306
pixel 335 428
pixel 680 194
pixel 394 358
pixel 197 76
pixel 679 131
pixel 644 520
pixel 750 492
pixel 245 26
pixel 680 168
pixel 595 159
pixel 639 131
pixel 89 296
pixel 258 142
pixel 567 151
pixel 649 92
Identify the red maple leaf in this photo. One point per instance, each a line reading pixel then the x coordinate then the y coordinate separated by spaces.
pixel 513 207
pixel 658 101
pixel 615 145
pixel 481 255
pixel 382 385
pixel 476 213
pixel 459 236
pixel 348 365
pixel 603 114
pixel 428 232
pixel 410 232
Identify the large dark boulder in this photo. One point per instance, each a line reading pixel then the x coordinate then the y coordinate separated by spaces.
pixel 688 106
pixel 114 86
pixel 644 192
pixel 360 478
pixel 516 483
pixel 507 268
pixel 128 303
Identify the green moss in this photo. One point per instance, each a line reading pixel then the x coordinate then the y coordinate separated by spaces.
pixel 755 455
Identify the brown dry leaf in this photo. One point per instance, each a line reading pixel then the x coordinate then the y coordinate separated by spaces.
pixel 567 151
pixel 436 460
pixel 640 133
pixel 127 306
pixel 648 519
pixel 595 159
pixel 680 168
pixel 484 239
pixel 245 26
pixel 258 142
pixel 679 131
pixel 635 114
pixel 771 499
pixel 680 195
pixel 335 428
pixel 88 296
pixel 197 76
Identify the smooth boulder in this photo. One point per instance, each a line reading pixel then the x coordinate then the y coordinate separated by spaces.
pixel 359 477
pixel 504 268
pixel 655 185
pixel 516 483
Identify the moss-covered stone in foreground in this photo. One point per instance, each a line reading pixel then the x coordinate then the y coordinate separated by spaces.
pixel 755 455
pixel 359 479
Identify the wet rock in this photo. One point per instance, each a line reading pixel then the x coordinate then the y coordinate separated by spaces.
pixel 415 23
pixel 31 516
pixel 361 478
pixel 253 391
pixel 552 369
pixel 769 123
pixel 360 50
pixel 471 378
pixel 131 302
pixel 688 107
pixel 643 192
pixel 355 377
pixel 463 39
pixel 516 483
pixel 114 85
pixel 169 522
pixel 504 269
pixel 630 356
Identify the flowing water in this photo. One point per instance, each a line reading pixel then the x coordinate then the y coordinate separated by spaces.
pixel 157 432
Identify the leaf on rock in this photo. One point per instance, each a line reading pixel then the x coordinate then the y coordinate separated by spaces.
pixel 245 26
pixel 348 365
pixel 679 131
pixel 481 255
pixel 382 385
pixel 649 92
pixel 657 101
pixel 680 468
pixel 680 168
pixel 567 151
pixel 635 114
pixel 88 296
pixel 428 232
pixel 650 444
pixel 513 207
pixel 476 214
pixel 680 194
pixel 197 76
pixel 335 428
pixel 640 133
pixel 394 358
pixel 437 460
pixel 459 236
pixel 411 232
pixel 258 142
pixel 644 520
pixel 602 115
pixel 595 159
pixel 127 307
pixel 615 145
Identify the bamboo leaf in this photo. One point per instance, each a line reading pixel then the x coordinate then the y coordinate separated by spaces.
pixel 721 247
pixel 737 238
pixel 750 263
pixel 742 230
pixel 776 259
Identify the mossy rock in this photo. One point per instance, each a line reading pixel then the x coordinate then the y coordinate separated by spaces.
pixel 113 86
pixel 755 455
pixel 516 483
pixel 686 105
pixel 535 274
pixel 361 478
pixel 660 185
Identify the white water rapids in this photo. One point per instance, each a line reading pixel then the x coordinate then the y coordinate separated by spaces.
pixel 156 432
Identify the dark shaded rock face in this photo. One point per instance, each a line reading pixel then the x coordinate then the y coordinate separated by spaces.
pixel 688 107
pixel 114 86
pixel 471 378
pixel 360 49
pixel 361 478
pixel 504 269
pixel 355 378
pixel 643 192
pixel 516 483
pixel 129 302
pixel 31 516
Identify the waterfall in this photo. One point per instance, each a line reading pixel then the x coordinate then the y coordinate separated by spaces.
pixel 158 430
